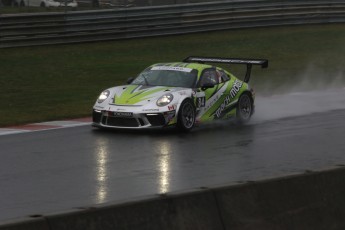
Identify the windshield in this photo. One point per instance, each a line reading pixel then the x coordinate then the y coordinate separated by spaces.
pixel 167 76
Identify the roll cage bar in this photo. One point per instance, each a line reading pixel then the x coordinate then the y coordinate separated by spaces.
pixel 244 61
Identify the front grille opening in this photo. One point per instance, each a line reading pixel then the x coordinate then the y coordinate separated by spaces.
pixel 120 121
pixel 156 119
pixel 96 117
pixel 142 123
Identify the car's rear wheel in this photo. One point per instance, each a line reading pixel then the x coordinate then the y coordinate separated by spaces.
pixel 186 116
pixel 244 109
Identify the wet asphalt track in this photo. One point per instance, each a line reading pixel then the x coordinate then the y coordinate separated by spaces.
pixel 49 171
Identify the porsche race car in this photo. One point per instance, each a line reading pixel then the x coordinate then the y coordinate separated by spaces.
pixel 179 94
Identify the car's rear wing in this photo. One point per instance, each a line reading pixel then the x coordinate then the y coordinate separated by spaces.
pixel 249 62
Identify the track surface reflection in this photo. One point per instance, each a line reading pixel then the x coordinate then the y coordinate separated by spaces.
pixel 58 170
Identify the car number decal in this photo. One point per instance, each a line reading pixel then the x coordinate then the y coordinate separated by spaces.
pixel 200 102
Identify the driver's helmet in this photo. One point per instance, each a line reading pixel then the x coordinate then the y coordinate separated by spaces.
pixel 208 79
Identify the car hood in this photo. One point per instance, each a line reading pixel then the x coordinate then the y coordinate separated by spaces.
pixel 140 94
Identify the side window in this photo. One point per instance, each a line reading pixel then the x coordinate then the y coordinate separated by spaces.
pixel 209 76
pixel 223 77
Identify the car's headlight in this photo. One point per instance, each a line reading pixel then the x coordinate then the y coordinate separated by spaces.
pixel 104 95
pixel 165 99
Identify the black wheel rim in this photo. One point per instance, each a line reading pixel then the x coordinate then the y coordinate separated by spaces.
pixel 245 107
pixel 188 115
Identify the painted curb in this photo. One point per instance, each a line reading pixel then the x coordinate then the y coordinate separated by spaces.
pixel 45 126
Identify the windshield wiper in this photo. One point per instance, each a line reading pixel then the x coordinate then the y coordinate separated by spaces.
pixel 146 81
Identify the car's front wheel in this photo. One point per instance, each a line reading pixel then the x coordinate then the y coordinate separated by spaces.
pixel 244 109
pixel 186 116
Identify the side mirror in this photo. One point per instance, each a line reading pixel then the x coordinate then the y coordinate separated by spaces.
pixel 130 80
pixel 206 86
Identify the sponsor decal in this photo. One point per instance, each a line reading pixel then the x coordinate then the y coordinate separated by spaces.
pixel 233 92
pixel 171 107
pixel 212 101
pixel 200 102
pixel 173 68
pixel 118 114
pixel 150 110
pixel 235 88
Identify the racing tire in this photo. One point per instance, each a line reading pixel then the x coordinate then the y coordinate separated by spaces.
pixel 244 109
pixel 186 116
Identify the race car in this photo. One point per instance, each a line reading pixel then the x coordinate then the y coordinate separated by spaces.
pixel 180 94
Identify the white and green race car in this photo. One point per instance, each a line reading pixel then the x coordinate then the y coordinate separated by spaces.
pixel 179 94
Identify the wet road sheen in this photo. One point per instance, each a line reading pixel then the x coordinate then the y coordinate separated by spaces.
pixel 57 170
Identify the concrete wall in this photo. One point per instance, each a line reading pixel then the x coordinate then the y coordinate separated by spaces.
pixel 307 201
pixel 192 211
pixel 310 201
pixel 38 223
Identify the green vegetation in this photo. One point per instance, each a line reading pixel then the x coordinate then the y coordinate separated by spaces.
pixel 58 82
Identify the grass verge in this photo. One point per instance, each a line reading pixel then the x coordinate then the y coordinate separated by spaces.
pixel 58 82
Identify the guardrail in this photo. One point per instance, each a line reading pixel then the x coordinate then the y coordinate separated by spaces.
pixel 86 26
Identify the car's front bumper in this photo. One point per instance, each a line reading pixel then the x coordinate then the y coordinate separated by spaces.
pixel 129 120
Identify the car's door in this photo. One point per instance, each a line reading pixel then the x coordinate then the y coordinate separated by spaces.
pixel 212 86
